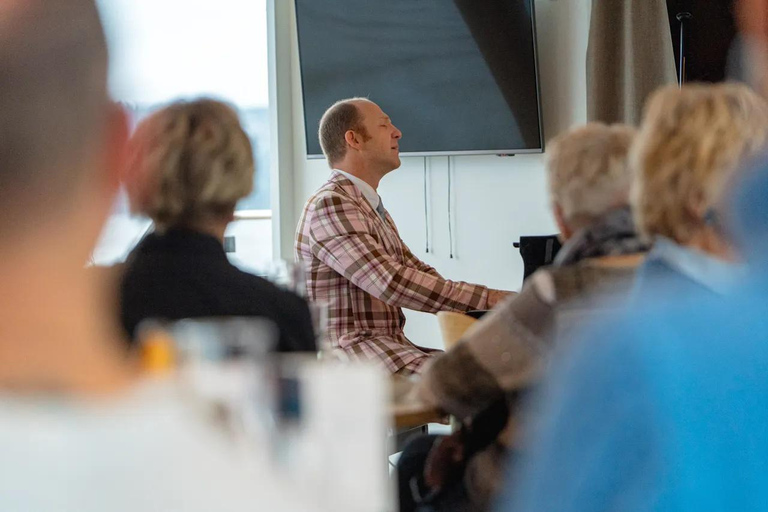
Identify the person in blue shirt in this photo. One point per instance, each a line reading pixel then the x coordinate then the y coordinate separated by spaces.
pixel 665 408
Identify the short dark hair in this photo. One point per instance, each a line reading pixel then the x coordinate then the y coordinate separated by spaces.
pixel 53 100
pixel 341 117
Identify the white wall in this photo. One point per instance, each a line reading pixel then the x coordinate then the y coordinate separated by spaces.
pixel 253 244
pixel 494 200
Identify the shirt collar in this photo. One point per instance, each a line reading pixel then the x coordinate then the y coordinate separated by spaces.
pixel 368 192
pixel 717 275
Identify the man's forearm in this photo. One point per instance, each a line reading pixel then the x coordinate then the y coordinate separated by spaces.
pixel 497 296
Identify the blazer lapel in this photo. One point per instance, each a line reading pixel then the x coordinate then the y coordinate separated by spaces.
pixel 386 229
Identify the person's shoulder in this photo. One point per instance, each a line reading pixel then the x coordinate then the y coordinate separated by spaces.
pixel 289 312
pixel 335 189
pixel 335 209
pixel 250 281
pixel 330 196
pixel 661 328
pixel 150 259
pixel 594 271
pixel 281 299
pixel 585 279
pixel 290 307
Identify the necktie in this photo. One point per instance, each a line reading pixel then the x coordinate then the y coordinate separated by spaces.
pixel 381 211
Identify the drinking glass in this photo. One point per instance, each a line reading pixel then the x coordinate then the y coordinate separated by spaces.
pixel 229 363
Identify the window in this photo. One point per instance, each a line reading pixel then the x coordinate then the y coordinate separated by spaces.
pixel 166 50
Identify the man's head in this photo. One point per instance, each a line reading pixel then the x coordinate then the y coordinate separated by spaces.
pixel 588 174
pixel 358 132
pixel 58 131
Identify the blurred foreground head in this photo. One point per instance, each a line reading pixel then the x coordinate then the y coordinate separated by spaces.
pixel 59 136
pixel 61 145
pixel 691 144
pixel 588 173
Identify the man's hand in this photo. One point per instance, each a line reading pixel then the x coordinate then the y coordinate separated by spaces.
pixel 496 296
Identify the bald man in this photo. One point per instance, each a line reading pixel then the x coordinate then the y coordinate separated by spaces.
pixel 356 261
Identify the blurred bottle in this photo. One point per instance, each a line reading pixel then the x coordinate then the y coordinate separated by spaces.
pixel 157 352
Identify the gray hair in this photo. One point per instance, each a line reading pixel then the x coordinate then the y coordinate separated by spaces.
pixel 341 117
pixel 589 171
pixel 53 100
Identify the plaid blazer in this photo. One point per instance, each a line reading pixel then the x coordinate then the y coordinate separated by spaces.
pixel 356 262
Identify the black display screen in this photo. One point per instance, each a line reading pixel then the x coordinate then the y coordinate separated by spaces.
pixel 455 76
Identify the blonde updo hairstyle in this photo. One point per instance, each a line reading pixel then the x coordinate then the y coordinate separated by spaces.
pixel 691 143
pixel 189 162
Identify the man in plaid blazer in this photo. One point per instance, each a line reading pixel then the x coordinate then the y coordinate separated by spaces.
pixel 352 252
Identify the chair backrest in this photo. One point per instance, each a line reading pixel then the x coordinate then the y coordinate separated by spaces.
pixel 453 326
pixel 537 251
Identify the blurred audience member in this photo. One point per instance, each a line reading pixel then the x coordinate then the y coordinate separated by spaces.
pixel 691 143
pixel 77 433
pixel 188 165
pixel 664 409
pixel 482 378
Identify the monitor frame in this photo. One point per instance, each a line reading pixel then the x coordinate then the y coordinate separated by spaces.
pixel 478 152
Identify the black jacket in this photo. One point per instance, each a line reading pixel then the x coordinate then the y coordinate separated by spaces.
pixel 186 274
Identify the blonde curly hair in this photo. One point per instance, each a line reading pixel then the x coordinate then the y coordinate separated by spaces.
pixel 691 142
pixel 188 162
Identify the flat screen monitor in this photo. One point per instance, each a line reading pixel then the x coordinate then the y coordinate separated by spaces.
pixel 455 76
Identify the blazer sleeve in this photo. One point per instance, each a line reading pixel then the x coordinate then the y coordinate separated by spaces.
pixel 417 263
pixel 341 238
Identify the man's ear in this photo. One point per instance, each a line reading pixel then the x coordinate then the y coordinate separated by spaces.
pixel 352 139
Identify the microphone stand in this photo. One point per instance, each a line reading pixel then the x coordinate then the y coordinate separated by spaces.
pixel 682 17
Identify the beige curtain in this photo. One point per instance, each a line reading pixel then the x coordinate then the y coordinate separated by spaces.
pixel 629 55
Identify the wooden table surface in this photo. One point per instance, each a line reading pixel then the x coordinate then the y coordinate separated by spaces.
pixel 407 410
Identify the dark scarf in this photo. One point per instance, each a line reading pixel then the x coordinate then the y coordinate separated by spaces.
pixel 612 235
